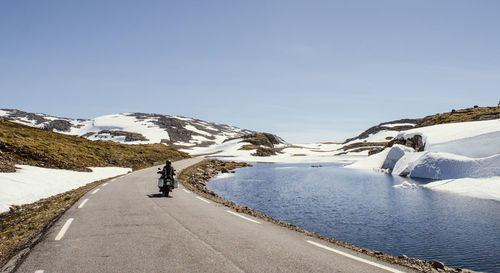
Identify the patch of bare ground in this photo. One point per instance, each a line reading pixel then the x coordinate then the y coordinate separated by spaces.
pixel 196 177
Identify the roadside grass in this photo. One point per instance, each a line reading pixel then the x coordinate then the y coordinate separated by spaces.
pixel 22 144
pixel 23 226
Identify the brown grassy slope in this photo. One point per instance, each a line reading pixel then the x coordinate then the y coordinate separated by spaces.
pixel 32 146
pixel 463 115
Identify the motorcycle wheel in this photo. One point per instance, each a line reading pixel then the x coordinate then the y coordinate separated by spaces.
pixel 166 192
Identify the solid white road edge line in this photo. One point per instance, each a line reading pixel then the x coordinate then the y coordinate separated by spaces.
pixel 105 184
pixel 95 191
pixel 64 229
pixel 355 257
pixel 241 216
pixel 185 190
pixel 83 203
pixel 202 199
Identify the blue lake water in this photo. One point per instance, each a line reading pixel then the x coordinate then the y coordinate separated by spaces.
pixel 363 208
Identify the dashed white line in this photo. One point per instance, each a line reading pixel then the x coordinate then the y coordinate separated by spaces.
pixel 83 203
pixel 186 190
pixel 94 192
pixel 39 271
pixel 355 257
pixel 241 216
pixel 203 200
pixel 64 229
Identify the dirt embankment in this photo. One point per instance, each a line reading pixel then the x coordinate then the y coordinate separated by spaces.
pixel 196 177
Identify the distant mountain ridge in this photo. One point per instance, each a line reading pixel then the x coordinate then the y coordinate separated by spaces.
pixel 133 128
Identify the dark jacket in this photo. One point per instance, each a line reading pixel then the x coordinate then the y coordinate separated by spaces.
pixel 168 172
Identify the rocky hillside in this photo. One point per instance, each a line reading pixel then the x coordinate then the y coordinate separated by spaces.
pixel 133 128
pixel 377 137
pixel 21 144
pixel 262 144
pixel 475 113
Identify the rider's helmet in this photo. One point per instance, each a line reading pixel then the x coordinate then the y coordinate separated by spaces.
pixel 168 163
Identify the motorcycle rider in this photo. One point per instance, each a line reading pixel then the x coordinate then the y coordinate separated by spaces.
pixel 168 171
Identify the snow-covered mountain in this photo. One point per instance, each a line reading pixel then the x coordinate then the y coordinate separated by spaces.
pixel 134 128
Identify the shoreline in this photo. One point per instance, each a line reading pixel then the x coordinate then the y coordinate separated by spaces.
pixel 197 176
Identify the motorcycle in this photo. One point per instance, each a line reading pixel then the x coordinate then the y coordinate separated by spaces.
pixel 166 184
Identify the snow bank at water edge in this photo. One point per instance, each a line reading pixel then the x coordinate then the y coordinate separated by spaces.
pixel 467 152
pixel 446 166
pixel 464 138
pixel 485 188
pixel 30 184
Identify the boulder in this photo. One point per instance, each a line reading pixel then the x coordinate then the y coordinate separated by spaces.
pixel 414 142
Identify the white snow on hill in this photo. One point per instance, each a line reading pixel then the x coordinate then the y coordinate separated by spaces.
pixel 464 138
pixel 287 153
pixel 30 184
pixel 465 155
pixel 133 128
pixel 453 152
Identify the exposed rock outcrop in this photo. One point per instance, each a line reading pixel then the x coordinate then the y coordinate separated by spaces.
pixel 262 143
pixel 415 142
pixel 59 125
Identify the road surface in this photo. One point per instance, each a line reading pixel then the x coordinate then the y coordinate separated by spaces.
pixel 125 225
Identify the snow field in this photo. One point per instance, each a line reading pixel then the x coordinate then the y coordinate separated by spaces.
pixel 30 184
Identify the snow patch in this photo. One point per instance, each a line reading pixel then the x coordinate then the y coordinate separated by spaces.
pixel 4 113
pixel 391 125
pixel 406 185
pixel 30 184
pixel 223 175
pixel 371 162
pixel 484 188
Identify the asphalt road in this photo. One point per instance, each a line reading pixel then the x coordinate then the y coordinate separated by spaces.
pixel 125 225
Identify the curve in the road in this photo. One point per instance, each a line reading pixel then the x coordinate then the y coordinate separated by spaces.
pixel 127 226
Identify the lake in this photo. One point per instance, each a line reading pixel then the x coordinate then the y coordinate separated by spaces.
pixel 365 209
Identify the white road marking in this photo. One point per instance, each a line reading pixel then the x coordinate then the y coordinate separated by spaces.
pixel 83 203
pixel 105 184
pixel 64 229
pixel 241 216
pixel 185 190
pixel 203 200
pixel 39 271
pixel 355 257
pixel 94 192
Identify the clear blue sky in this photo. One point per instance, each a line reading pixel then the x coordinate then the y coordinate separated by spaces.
pixel 305 70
